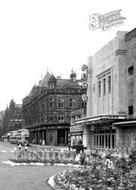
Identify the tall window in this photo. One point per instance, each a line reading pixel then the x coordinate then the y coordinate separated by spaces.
pixel 130 70
pixel 109 84
pixel 72 103
pixel 99 88
pixel 130 110
pixel 61 103
pixel 50 117
pixel 51 102
pixel 104 86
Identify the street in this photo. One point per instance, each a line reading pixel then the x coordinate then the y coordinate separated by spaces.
pixel 23 177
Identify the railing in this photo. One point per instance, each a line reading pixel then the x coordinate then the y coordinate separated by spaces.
pixel 45 156
pixel 118 150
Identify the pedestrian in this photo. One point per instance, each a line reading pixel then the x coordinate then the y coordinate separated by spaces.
pixel 26 147
pixel 19 146
pixel 43 142
pixel 80 141
pixel 108 162
pixel 40 142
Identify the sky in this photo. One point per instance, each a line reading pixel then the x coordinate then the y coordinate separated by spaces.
pixel 41 35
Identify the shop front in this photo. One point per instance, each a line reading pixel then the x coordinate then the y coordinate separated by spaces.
pixel 37 136
pixel 49 135
pixel 76 135
pixel 99 132
pixel 104 137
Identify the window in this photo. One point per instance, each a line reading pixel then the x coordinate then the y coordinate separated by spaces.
pixel 84 105
pixel 99 88
pixel 72 118
pixel 50 117
pixel 104 86
pixel 61 116
pixel 130 110
pixel 104 140
pixel 52 86
pixel 61 103
pixel 51 102
pixel 72 103
pixel 78 116
pixel 130 70
pixel 109 84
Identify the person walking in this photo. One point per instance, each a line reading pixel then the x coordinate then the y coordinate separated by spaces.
pixel 19 146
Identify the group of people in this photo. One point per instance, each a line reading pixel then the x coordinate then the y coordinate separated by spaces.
pixel 77 141
pixel 20 146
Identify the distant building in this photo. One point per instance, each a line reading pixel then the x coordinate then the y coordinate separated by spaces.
pixel 1 123
pixel 46 110
pixel 76 129
pixel 12 119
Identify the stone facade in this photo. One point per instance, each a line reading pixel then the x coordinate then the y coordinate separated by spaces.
pixel 111 93
pixel 130 41
pixel 106 79
pixel 46 111
pixel 126 132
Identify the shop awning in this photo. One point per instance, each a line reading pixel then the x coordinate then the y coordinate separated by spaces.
pixel 100 118
pixel 125 123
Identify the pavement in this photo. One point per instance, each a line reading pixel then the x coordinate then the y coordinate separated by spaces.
pixel 24 177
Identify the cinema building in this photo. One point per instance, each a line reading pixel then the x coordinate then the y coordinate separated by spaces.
pixel 111 104
pixel 46 110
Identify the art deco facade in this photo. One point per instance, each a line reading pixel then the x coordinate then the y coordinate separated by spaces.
pixel 111 105
pixel 126 131
pixel 106 93
pixel 46 111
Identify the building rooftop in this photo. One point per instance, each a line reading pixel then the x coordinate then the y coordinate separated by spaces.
pixel 44 81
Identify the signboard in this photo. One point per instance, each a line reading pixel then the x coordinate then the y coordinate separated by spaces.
pixel 84 85
pixel 76 128
pixel 84 97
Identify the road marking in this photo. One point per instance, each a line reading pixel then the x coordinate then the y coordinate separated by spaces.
pixel 12 150
pixel 3 151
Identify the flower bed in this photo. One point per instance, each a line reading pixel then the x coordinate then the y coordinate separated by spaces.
pixel 97 177
pixel 103 171
pixel 98 174
pixel 65 157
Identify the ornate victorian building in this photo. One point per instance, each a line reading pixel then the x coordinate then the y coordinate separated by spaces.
pixel 46 110
pixel 12 118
